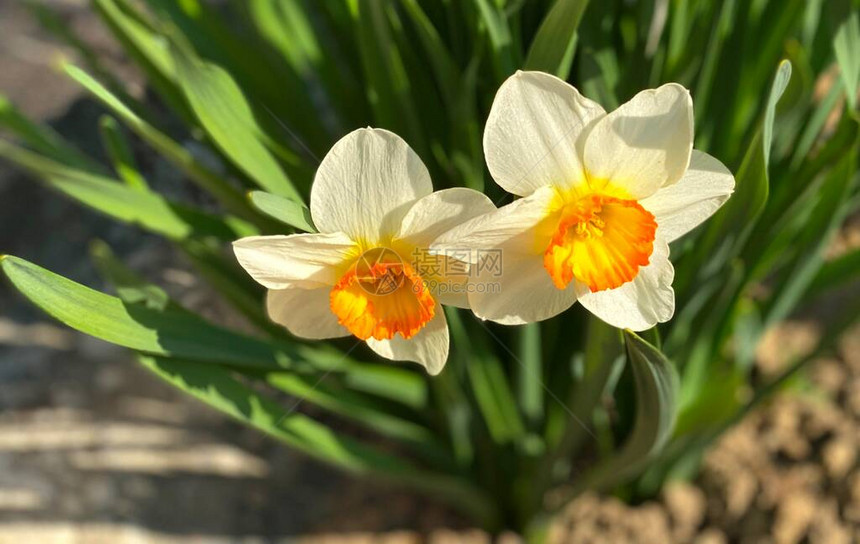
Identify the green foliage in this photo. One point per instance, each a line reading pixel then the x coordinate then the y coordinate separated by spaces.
pixel 249 95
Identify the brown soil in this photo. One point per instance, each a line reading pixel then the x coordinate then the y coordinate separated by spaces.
pixel 788 474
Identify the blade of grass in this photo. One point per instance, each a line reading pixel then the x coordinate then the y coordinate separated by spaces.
pixel 120 153
pixel 160 332
pixel 230 197
pixel 228 119
pixel 553 46
pixel 286 211
pixel 111 197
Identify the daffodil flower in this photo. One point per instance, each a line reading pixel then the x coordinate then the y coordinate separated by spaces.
pixel 374 206
pixel 603 195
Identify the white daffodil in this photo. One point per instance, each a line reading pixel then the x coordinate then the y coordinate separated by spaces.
pixel 603 195
pixel 366 272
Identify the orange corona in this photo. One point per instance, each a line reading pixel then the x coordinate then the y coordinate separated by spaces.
pixel 601 241
pixel 381 297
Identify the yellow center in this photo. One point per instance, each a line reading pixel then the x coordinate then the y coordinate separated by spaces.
pixel 379 296
pixel 601 240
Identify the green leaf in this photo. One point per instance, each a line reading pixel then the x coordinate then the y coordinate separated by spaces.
pixel 603 358
pixel 389 89
pixel 144 328
pixel 131 205
pixel 146 47
pixel 42 138
pixel 217 388
pixel 443 65
pixel 129 287
pixel 120 153
pixel 656 383
pixel 553 46
pixel 225 114
pixel 826 218
pixel 847 47
pixel 488 380
pixel 284 210
pixel 732 225
pixel 500 38
pixel 391 382
pixel 530 386
pixel 362 409
pixel 288 26
pixel 229 196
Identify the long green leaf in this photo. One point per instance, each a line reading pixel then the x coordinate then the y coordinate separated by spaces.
pixel 160 332
pixel 847 47
pixel 179 156
pixel 732 225
pixel 225 114
pixel 603 356
pixel 826 218
pixel 42 138
pixel 362 409
pixel 119 151
pixel 147 209
pixel 489 382
pixel 146 47
pixel 656 383
pixel 530 386
pixel 553 46
pixel 389 88
pixel 499 33
pixel 284 210
pixel 129 287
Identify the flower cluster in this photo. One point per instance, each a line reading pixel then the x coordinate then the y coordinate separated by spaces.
pixel 603 194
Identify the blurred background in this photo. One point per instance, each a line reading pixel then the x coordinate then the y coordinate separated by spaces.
pixel 94 449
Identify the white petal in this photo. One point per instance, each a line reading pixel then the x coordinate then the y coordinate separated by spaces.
pixel 522 293
pixel 639 304
pixel 368 174
pixel 439 212
pixel 681 207
pixel 514 226
pixel 428 348
pixel 305 312
pixel 446 278
pixel 643 145
pixel 278 262
pixel 531 135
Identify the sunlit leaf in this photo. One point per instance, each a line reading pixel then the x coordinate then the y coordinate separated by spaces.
pixel 847 47
pixel 284 210
pixel 553 46
pixel 147 209
pixel 181 157
pixel 656 385
pixel 160 332
pixel 120 153
pixel 224 112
